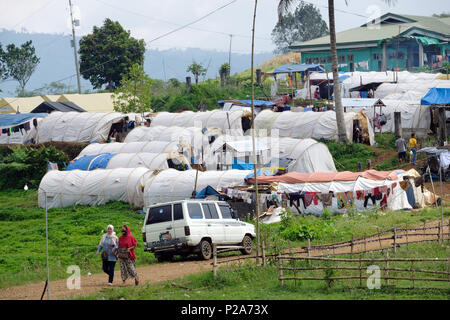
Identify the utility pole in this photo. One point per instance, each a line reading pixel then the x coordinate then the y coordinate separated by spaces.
pixel 77 67
pixel 229 54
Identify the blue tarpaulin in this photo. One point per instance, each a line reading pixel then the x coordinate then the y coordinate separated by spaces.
pixel 209 191
pixel 10 120
pixel 259 172
pixel 289 68
pixel 436 96
pixel 241 165
pixel 257 103
pixel 88 163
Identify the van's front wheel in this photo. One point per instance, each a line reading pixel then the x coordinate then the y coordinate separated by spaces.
pixel 205 250
pixel 247 243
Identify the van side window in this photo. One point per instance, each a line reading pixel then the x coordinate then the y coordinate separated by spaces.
pixel 195 212
pixel 210 211
pixel 177 212
pixel 160 214
pixel 226 211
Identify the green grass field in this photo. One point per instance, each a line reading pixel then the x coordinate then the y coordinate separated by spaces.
pixel 74 234
pixel 255 282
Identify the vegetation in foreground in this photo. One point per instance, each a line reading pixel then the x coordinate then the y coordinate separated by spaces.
pixel 255 282
pixel 74 234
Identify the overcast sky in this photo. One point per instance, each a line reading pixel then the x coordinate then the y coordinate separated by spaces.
pixel 149 19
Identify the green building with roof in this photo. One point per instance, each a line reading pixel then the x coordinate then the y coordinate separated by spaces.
pixel 392 41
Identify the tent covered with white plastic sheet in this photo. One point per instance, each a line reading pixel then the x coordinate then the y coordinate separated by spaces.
pixel 134 147
pixel 420 87
pixel 236 121
pixel 309 124
pixel 414 117
pixel 79 126
pixel 309 155
pixel 171 185
pixel 151 161
pixel 97 187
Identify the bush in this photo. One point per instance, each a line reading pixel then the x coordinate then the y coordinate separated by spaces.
pixel 302 228
pixel 27 165
pixel 347 155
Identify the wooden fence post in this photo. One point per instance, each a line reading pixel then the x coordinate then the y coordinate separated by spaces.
pixel 379 238
pixel 406 228
pixel 309 250
pixel 351 245
pixel 360 271
pixel 280 270
pixel 395 240
pixel 439 232
pixel 412 273
pixel 386 268
pixel 263 254
pixel 214 261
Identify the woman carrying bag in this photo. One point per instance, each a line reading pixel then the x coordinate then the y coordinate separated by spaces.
pixel 127 258
pixel 108 247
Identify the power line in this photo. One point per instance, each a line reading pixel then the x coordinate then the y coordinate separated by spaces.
pixel 190 23
pixel 176 24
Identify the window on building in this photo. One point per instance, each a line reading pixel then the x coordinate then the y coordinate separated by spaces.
pixel 401 55
pixel 391 55
pixel 329 59
pixel 316 60
pixel 323 59
pixel 350 57
pixel 376 56
pixel 308 60
pixel 341 58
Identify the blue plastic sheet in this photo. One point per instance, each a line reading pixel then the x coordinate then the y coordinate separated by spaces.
pixel 92 162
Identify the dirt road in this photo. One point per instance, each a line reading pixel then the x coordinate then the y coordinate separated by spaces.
pixel 170 271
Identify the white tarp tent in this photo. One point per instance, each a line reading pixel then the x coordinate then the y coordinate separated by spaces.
pixel 171 185
pixel 420 87
pixel 224 120
pixel 309 124
pixel 162 133
pixel 309 155
pixel 79 126
pixel 25 129
pixel 97 187
pixel 151 161
pixel 134 147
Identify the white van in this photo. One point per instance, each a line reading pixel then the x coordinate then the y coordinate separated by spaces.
pixel 192 226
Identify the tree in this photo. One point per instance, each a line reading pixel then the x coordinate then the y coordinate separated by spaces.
pixel 441 15
pixel 283 7
pixel 134 94
pixel 304 24
pixel 108 53
pixel 19 63
pixel 224 73
pixel 197 70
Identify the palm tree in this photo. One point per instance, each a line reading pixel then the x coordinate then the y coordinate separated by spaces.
pixel 283 8
pixel 196 69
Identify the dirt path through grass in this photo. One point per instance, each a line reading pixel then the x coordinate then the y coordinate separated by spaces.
pixel 170 271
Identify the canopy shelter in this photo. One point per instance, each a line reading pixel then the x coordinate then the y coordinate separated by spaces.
pixel 79 126
pixel 48 106
pixel 237 122
pixel 19 128
pixel 151 161
pixel 136 147
pixel 297 68
pixel 171 185
pixel 306 155
pixel 366 87
pixel 91 102
pixel 93 188
pixel 358 104
pixel 245 105
pixel 19 104
pixel 439 101
pixel 316 125
pixel 210 193
pixel 436 96
pixel 419 86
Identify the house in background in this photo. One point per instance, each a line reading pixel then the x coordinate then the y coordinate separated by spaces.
pixel 392 41
pixel 48 106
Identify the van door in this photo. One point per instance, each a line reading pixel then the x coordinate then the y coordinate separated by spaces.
pixel 159 225
pixel 197 224
pixel 233 230
pixel 178 220
pixel 214 225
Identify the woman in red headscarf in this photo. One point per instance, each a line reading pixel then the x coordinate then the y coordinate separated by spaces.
pixel 127 258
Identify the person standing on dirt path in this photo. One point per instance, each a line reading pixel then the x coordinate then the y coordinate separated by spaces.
pixel 413 146
pixel 401 148
pixel 127 257
pixel 108 246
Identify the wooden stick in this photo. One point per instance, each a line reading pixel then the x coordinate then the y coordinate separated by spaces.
pixel 395 240
pixel 214 261
pixel 280 270
pixel 263 254
pixel 308 250
pixel 386 271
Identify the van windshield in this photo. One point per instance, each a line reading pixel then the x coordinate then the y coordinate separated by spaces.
pixel 160 214
pixel 195 211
